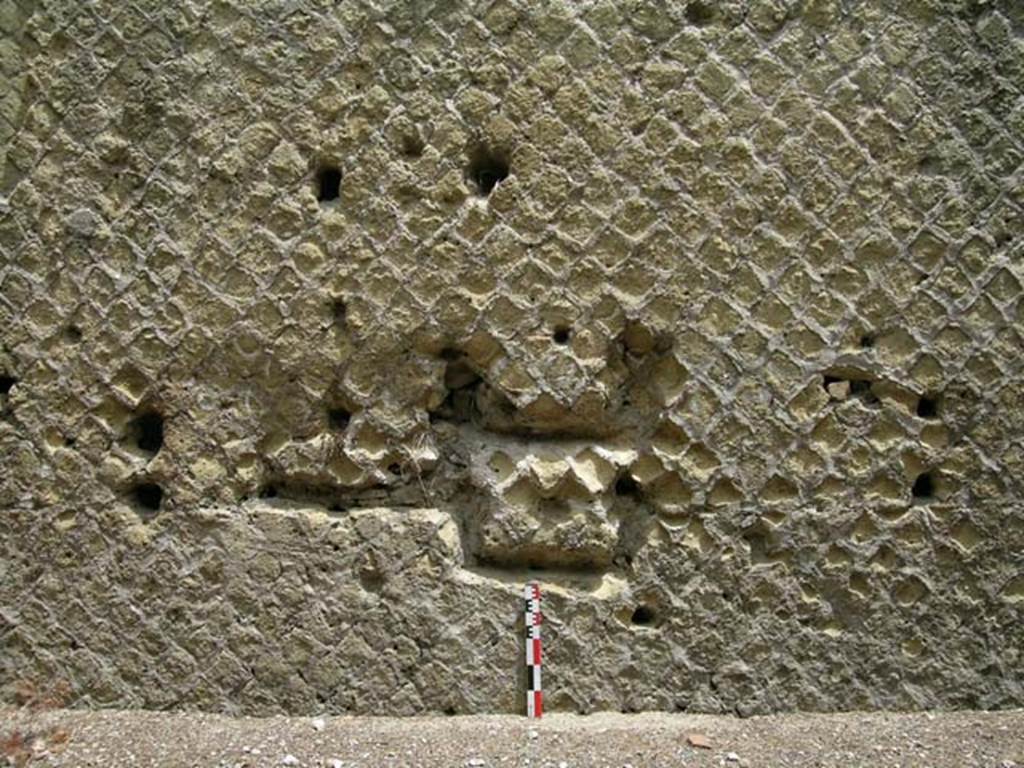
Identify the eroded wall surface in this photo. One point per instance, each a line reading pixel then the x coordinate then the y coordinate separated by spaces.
pixel 325 325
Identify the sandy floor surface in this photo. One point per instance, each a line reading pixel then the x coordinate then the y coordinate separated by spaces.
pixel 135 738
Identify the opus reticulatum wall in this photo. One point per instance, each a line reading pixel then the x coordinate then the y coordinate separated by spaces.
pixel 325 325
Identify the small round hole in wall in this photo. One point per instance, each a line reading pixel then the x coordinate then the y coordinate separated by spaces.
pixel 328 183
pixel 486 170
pixel 924 487
pixel 561 335
pixel 338 419
pixel 148 498
pixel 147 432
pixel 928 407
pixel 643 616
pixel 412 146
pixel 339 311
pixel 6 382
pixel 626 485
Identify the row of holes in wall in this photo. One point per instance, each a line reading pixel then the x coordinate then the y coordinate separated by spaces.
pixel 145 433
pixel 148 496
pixel 922 489
pixel 927 406
pixel 486 169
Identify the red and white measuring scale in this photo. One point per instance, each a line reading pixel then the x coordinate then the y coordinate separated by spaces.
pixel 534 697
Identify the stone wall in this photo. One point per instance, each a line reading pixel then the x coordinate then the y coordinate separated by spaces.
pixel 325 325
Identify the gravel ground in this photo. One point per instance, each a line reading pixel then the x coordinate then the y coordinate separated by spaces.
pixel 137 738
